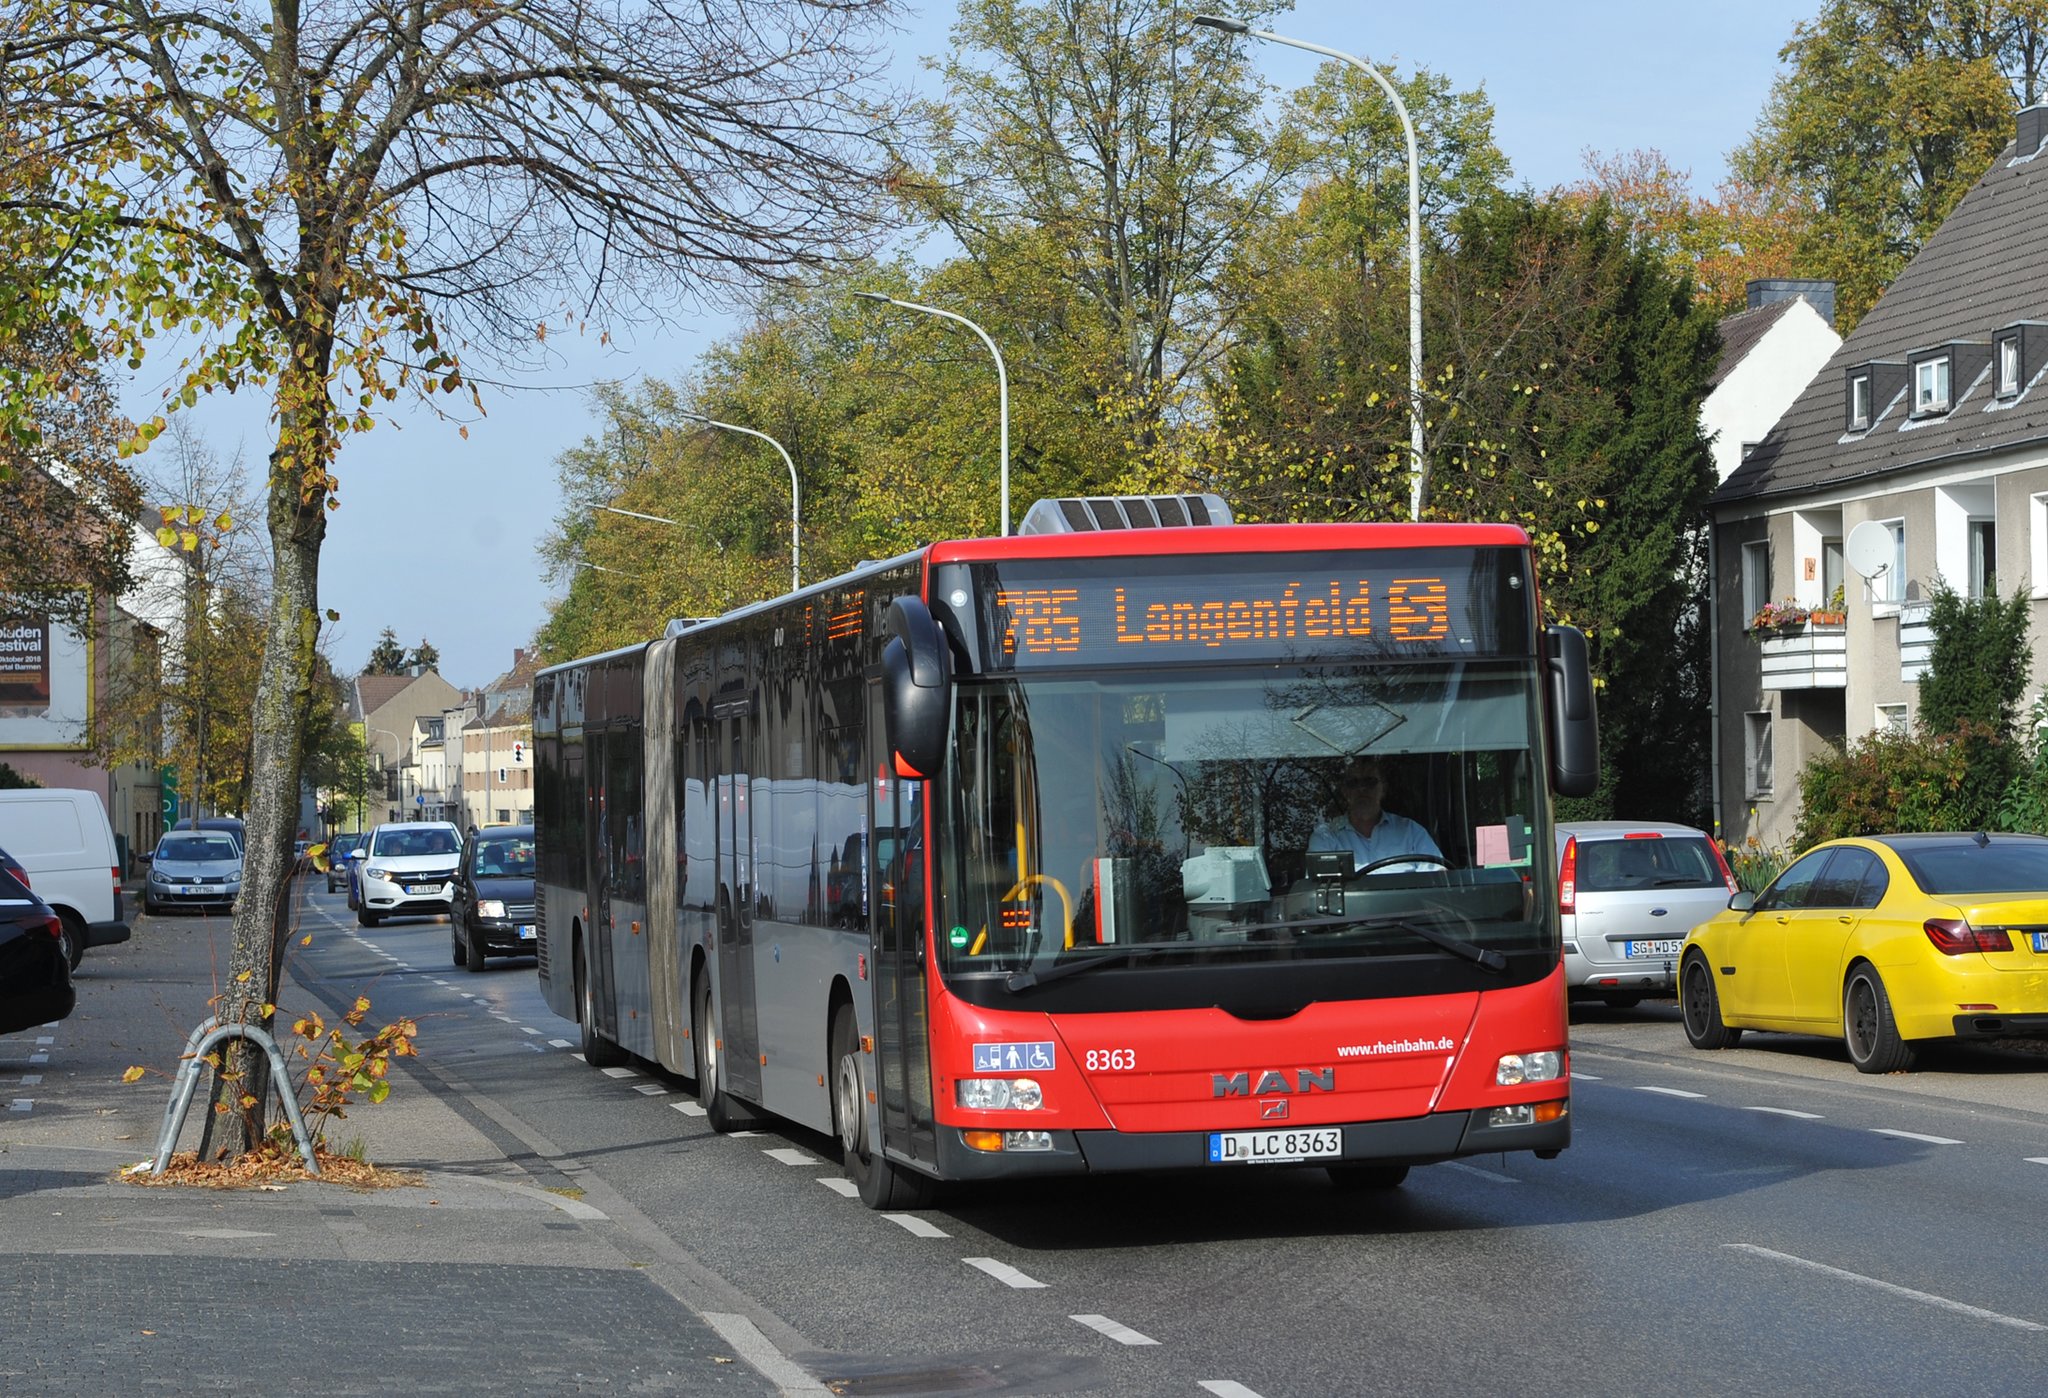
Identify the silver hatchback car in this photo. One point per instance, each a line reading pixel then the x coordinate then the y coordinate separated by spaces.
pixel 1630 891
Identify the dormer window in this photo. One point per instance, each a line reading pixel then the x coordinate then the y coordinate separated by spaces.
pixel 1930 387
pixel 2009 366
pixel 1859 402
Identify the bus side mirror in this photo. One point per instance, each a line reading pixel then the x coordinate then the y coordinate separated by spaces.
pixel 1571 713
pixel 917 689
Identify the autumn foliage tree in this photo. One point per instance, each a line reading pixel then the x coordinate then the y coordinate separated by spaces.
pixel 337 203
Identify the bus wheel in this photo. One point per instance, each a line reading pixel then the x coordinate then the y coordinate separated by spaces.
pixel 1360 1177
pixel 720 1109
pixel 881 1185
pixel 598 1051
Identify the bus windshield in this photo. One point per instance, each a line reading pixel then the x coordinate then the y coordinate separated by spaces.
pixel 1203 817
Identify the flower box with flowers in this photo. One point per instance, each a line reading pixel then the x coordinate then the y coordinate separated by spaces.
pixel 1778 619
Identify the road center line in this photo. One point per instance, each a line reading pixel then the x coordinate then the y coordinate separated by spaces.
pixel 1787 1111
pixel 840 1185
pixel 1915 1136
pixel 2031 1160
pixel 1227 1388
pixel 1926 1298
pixel 911 1223
pixel 789 1155
pixel 1669 1091
pixel 1122 1334
pixel 1003 1272
pixel 689 1108
pixel 618 1072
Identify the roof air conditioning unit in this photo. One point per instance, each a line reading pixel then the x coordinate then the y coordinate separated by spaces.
pixel 1093 513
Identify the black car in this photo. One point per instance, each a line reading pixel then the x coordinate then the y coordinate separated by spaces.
pixel 494 903
pixel 337 859
pixel 35 975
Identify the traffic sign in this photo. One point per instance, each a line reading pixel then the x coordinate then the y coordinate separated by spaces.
pixel 167 793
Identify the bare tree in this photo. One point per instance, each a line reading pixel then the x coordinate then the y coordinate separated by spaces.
pixel 336 201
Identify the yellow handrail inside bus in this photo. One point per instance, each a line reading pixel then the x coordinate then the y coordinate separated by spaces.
pixel 1066 899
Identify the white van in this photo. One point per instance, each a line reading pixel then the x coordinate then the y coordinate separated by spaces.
pixel 62 839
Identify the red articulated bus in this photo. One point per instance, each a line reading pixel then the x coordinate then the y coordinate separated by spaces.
pixel 1013 857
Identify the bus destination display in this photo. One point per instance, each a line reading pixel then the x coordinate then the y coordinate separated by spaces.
pixel 1267 612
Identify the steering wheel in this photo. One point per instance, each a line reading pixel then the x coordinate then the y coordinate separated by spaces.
pixel 1417 858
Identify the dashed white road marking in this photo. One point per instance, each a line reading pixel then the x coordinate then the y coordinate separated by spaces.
pixel 840 1185
pixel 560 1043
pixel 22 1104
pixel 45 1041
pixel 745 1134
pixel 1227 1388
pixel 2031 1160
pixel 1915 1136
pixel 578 1056
pixel 650 1089
pixel 1669 1091
pixel 1122 1334
pixel 497 1014
pixel 618 1072
pixel 689 1108
pixel 909 1223
pixel 1582 1077
pixel 31 1079
pixel 789 1155
pixel 442 982
pixel 39 1058
pixel 528 1029
pixel 1496 1177
pixel 1787 1111
pixel 1927 1298
pixel 1003 1272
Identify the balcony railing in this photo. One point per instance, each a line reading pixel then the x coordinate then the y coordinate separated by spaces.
pixel 1812 655
pixel 1916 639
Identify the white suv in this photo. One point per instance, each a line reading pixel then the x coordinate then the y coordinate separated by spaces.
pixel 407 868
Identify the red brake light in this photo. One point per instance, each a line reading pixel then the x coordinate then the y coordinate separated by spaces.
pixel 1568 876
pixel 1727 874
pixel 1952 936
pixel 54 928
pixel 21 875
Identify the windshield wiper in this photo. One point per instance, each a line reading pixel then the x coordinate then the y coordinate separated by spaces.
pixel 1121 956
pixel 1486 958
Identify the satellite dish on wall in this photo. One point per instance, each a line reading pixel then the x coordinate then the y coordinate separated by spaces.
pixel 1868 548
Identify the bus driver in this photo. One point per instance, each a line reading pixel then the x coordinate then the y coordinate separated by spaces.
pixel 1369 831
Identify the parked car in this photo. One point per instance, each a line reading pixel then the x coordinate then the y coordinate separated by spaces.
pixel 407 868
pixel 494 902
pixel 61 836
pixel 1890 942
pixel 337 860
pixel 35 973
pixel 1629 891
pixel 13 866
pixel 193 869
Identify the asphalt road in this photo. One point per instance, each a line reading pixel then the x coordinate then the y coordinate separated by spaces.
pixel 1759 1220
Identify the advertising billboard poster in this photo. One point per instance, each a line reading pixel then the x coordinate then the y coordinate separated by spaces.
pixel 45 685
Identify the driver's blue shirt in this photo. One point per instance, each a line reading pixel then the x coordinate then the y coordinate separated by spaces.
pixel 1392 835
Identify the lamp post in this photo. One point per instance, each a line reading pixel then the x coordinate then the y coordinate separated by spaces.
pixel 1421 465
pixel 1002 380
pixel 795 490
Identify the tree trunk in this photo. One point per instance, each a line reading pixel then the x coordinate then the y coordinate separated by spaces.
pixel 298 524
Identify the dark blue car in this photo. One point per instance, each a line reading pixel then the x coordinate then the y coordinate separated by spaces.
pixel 35 975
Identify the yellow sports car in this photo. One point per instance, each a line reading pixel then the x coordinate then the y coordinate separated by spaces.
pixel 1887 941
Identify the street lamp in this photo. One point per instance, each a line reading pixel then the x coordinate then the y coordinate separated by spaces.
pixel 1002 379
pixel 795 490
pixel 1421 464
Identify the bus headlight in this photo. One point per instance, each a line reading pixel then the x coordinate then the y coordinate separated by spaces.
pixel 999 1094
pixel 1517 1068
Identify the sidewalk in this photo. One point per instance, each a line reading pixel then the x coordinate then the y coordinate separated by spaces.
pixel 474 1278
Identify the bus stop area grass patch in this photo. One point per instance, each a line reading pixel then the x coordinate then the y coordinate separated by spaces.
pixel 267 1169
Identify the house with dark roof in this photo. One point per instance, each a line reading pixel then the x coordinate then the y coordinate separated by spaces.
pixel 1769 351
pixel 1918 452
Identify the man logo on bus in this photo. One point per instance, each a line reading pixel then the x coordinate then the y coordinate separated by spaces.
pixel 1272 1081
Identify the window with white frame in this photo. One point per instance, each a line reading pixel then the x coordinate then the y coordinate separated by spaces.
pixel 1983 557
pixel 1890 585
pixel 1891 718
pixel 1756 753
pixel 1831 572
pixel 2037 542
pixel 1930 386
pixel 1756 578
pixel 2009 366
pixel 1859 401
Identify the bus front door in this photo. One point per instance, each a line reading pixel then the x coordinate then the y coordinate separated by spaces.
pixel 738 1027
pixel 896 930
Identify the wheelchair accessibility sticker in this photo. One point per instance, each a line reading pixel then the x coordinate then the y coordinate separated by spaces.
pixel 1004 1058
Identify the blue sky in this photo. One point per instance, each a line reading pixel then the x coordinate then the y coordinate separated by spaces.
pixel 436 534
